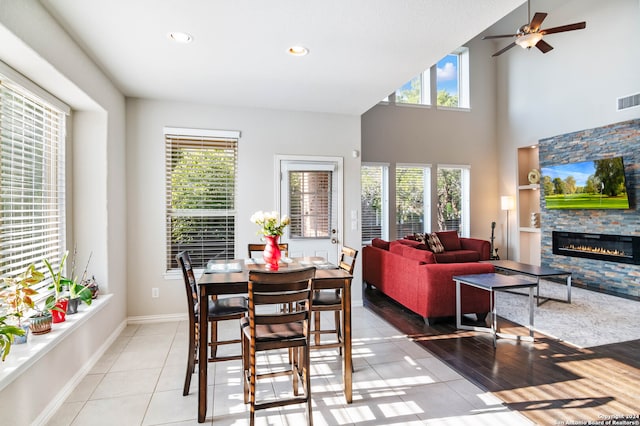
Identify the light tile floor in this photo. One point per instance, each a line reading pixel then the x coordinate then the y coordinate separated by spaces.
pixel 139 380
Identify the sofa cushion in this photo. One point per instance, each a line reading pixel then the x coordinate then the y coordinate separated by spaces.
pixel 434 243
pixel 457 256
pixel 423 256
pixel 449 240
pixel 380 243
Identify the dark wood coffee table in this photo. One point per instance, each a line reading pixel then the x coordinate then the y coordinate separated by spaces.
pixel 494 282
pixel 534 271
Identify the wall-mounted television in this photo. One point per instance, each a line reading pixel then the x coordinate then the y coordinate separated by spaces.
pixel 597 184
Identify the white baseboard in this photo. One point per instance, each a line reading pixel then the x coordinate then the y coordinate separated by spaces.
pixel 150 319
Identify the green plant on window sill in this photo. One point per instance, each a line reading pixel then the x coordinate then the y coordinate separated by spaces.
pixel 63 287
pixel 18 294
pixel 7 333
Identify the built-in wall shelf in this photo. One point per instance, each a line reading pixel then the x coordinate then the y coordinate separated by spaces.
pixel 529 229
pixel 531 186
pixel 528 204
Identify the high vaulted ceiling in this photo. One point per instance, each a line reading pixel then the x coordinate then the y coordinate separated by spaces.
pixel 360 50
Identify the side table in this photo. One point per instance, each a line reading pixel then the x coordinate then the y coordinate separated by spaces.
pixel 494 282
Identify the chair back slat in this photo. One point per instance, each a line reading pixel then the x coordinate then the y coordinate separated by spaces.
pixel 270 288
pixel 282 318
pixel 253 248
pixel 348 259
pixel 279 297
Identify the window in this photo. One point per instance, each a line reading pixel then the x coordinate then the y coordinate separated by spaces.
pixel 201 174
pixel 413 184
pixel 453 199
pixel 32 181
pixel 452 81
pixel 374 202
pixel 416 91
pixel 452 84
pixel 310 204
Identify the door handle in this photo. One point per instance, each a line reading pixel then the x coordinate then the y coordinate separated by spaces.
pixel 334 241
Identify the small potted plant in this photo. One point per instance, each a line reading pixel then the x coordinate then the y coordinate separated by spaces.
pixel 40 322
pixel 57 302
pixel 18 296
pixel 8 332
pixel 78 291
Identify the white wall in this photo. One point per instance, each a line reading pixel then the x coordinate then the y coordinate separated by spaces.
pixel 404 134
pixel 264 133
pixel 571 88
pixel 32 43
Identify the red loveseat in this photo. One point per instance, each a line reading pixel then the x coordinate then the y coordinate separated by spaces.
pixel 411 277
pixel 456 249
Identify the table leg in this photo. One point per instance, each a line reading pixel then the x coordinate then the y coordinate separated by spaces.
pixel 494 317
pixel 531 311
pixel 569 288
pixel 458 310
pixel 203 336
pixel 346 327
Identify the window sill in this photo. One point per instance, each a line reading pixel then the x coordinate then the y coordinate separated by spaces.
pixel 25 355
pixel 446 108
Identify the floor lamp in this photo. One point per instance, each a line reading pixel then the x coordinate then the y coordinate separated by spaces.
pixel 507 203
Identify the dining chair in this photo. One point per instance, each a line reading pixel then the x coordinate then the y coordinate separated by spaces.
pixel 328 297
pixel 267 328
pixel 255 248
pixel 229 308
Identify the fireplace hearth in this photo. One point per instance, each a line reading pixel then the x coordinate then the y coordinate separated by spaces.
pixel 613 248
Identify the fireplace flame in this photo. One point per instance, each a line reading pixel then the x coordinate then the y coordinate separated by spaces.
pixel 597 250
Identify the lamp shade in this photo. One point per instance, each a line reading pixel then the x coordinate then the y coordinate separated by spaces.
pixel 507 202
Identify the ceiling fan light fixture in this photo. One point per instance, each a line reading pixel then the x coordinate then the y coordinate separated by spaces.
pixel 527 41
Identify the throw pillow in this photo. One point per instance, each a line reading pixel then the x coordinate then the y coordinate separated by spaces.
pixel 379 243
pixel 419 236
pixel 449 240
pixel 434 243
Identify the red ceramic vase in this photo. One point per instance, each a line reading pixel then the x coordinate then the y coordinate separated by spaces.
pixel 272 253
pixel 60 314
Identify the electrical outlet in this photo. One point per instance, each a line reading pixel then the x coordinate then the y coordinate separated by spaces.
pixel 155 292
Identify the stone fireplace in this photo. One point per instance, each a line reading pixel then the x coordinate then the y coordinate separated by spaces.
pixel 612 248
pixel 599 247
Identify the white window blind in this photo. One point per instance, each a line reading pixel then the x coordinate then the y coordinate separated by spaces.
pixel 201 174
pixel 412 199
pixel 373 202
pixel 32 181
pixel 310 204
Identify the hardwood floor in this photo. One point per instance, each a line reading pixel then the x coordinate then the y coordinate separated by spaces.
pixel 548 381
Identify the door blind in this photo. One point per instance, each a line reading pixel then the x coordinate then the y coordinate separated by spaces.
pixel 201 174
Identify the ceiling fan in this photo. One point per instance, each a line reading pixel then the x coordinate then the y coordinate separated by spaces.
pixel 530 35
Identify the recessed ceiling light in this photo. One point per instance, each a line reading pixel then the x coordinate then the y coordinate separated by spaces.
pixel 298 50
pixel 180 37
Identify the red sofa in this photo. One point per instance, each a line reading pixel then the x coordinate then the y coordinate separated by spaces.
pixel 412 277
pixel 456 249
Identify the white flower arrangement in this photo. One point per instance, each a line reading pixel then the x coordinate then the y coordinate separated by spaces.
pixel 270 223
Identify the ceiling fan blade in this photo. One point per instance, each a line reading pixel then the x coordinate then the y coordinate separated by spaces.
pixel 498 36
pixel 543 46
pixel 500 52
pixel 536 21
pixel 563 28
